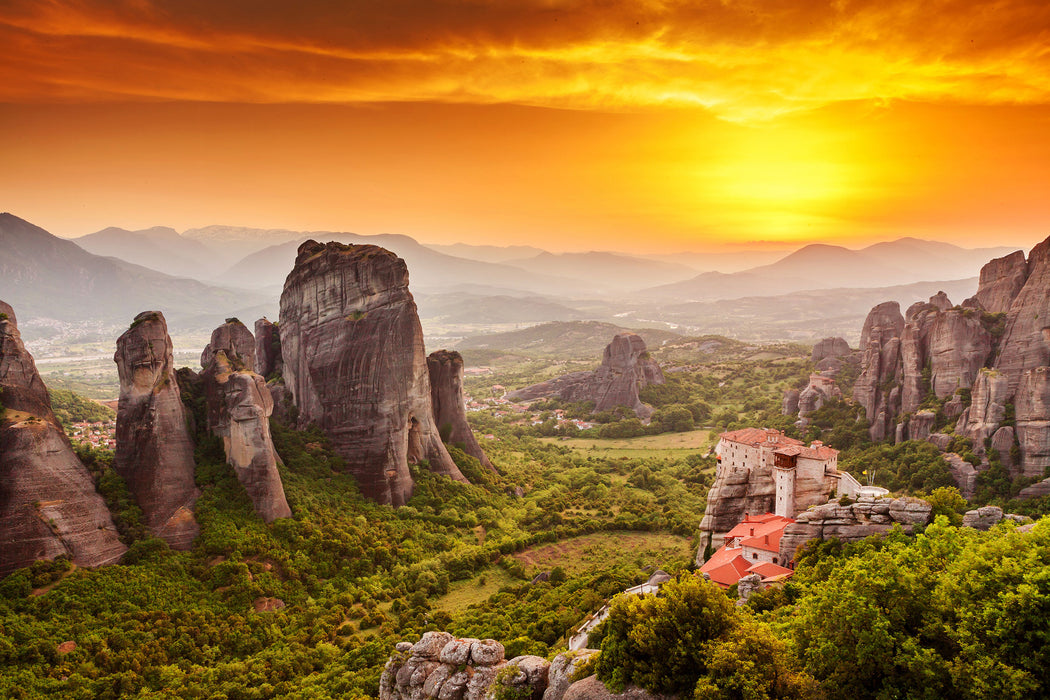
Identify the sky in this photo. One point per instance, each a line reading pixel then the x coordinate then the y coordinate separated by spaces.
pixel 636 125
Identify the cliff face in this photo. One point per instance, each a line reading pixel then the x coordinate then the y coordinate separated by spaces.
pixel 829 347
pixel 239 406
pixel 154 450
pixel 267 348
pixel 48 503
pixel 626 369
pixel 446 396
pixel 869 516
pixel 1003 361
pixel 355 364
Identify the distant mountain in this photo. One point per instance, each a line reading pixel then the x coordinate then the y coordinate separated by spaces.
pixel 472 309
pixel 159 248
pixel 820 266
pixel 234 242
pixel 720 262
pixel 486 253
pixel 42 275
pixel 579 339
pixel 605 272
pixel 428 269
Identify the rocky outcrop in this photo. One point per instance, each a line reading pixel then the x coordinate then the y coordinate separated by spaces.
pixel 959 347
pixel 735 492
pixel 790 404
pixel 591 688
pixel 810 400
pixel 989 396
pixel 441 667
pixel 267 348
pixel 626 369
pixel 1026 340
pixel 355 364
pixel 964 474
pixel 854 522
pixel 1001 281
pixel 239 407
pixel 1003 441
pixel 48 503
pixel 154 451
pixel 917 427
pixel 563 668
pixel 829 347
pixel 450 412
pixel 987 517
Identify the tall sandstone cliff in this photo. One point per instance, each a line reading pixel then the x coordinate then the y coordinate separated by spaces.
pixel 48 503
pixel 354 361
pixel 996 345
pixel 626 369
pixel 239 407
pixel 446 396
pixel 154 449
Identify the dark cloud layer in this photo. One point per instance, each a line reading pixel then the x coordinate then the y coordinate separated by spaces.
pixel 749 59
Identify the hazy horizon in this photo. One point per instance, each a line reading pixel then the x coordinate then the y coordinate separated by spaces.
pixel 636 127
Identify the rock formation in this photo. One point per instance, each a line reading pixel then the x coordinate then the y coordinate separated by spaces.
pixel 239 406
pixel 154 450
pixel 829 347
pixel 267 348
pixel 791 401
pixel 441 667
pixel 355 364
pixel 446 396
pixel 1033 421
pixel 868 516
pixel 880 368
pixel 48 503
pixel 1001 281
pixel 626 369
pixel 987 517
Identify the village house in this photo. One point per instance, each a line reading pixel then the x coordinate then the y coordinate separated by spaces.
pixel 752 547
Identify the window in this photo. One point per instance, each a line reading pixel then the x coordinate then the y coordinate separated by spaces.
pixel 755 555
pixel 774 560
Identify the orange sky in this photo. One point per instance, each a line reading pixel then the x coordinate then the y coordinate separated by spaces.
pixel 641 125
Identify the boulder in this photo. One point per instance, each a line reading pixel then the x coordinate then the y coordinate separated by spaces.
pixel 964 474
pixel 984 518
pixel 487 652
pixel 626 369
pixel 591 688
pixel 746 586
pixel 1001 281
pixel 920 425
pixel 239 408
pixel 441 667
pixel 940 440
pixel 354 361
pixel 562 669
pixel 530 680
pixel 810 400
pixel 154 451
pixel 829 347
pixel 450 410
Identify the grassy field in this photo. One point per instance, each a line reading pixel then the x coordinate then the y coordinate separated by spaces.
pixel 665 445
pixel 575 555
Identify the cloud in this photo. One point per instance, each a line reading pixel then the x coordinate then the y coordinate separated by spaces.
pixel 742 59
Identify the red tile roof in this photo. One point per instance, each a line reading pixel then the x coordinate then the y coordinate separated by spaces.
pixel 769 571
pixel 726 566
pixel 752 522
pixel 759 436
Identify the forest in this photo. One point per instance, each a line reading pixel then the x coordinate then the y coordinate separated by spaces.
pixel 311 606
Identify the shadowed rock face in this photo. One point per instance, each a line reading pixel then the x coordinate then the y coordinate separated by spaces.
pixel 355 364
pixel 154 449
pixel 267 348
pixel 239 406
pixel 446 395
pixel 881 343
pixel 626 369
pixel 48 503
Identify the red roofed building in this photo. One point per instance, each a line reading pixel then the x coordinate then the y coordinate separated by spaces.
pixel 752 547
pixel 803 476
